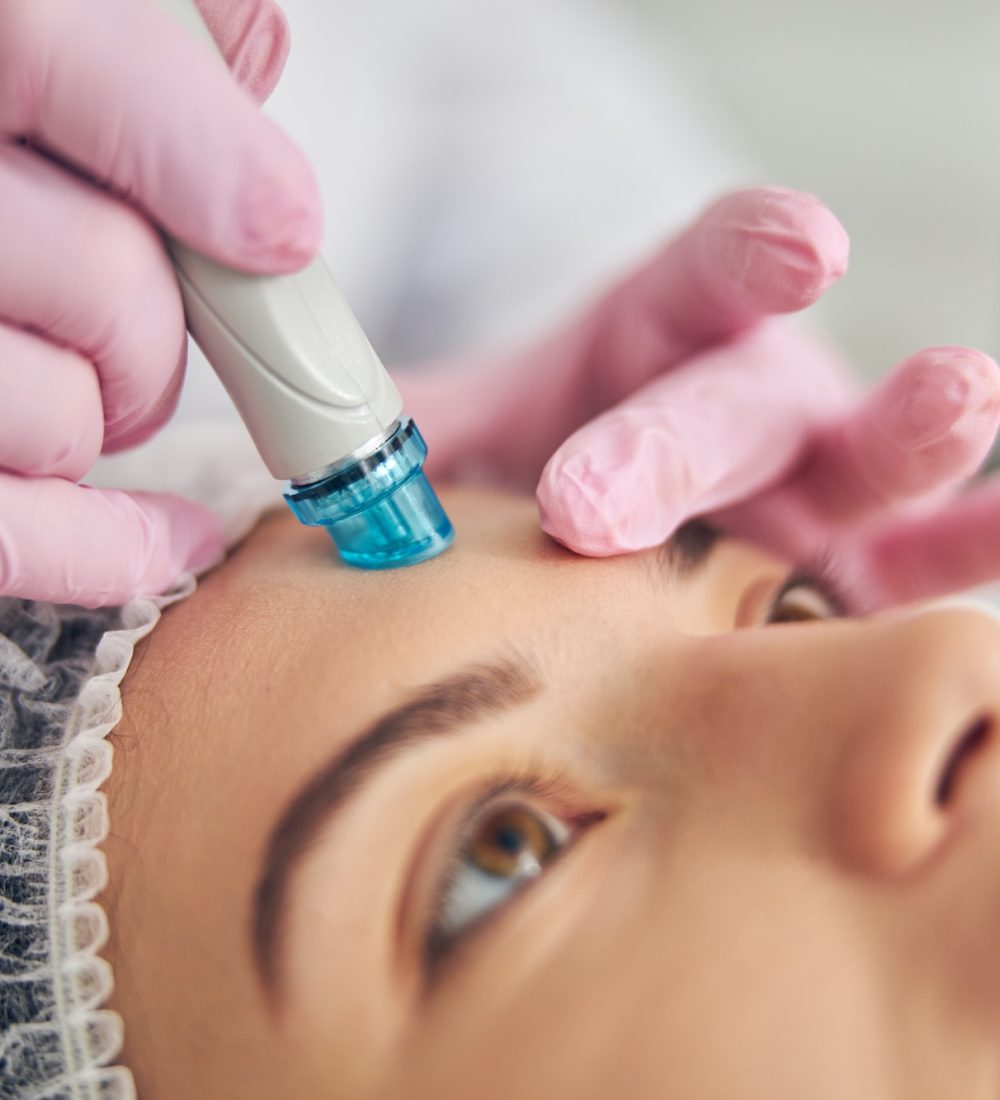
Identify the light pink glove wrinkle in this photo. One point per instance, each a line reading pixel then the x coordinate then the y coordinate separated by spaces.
pixel 784 248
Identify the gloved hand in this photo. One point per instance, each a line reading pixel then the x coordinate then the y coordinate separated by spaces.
pixel 647 433
pixel 874 488
pixel 112 115
pixel 750 255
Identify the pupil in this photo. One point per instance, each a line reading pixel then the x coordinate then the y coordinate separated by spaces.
pixel 509 839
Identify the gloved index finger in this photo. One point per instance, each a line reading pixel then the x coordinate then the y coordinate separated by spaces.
pixel 121 92
pixel 702 437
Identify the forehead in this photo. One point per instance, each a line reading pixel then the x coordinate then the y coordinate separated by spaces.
pixel 284 600
pixel 502 573
pixel 282 654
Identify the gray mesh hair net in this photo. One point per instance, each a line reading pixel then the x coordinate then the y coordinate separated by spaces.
pixel 60 668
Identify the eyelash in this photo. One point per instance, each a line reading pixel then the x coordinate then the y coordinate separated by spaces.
pixel 440 947
pixel 823 575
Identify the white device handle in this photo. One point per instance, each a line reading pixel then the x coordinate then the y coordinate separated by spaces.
pixel 306 382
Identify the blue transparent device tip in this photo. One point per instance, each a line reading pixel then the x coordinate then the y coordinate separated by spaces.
pixel 380 511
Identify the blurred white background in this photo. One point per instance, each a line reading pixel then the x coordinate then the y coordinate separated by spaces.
pixel 888 110
pixel 488 168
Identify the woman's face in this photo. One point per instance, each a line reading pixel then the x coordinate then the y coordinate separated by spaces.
pixel 514 823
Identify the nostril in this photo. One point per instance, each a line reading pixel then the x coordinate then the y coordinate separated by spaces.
pixel 965 748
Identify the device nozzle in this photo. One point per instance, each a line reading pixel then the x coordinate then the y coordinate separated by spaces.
pixel 380 511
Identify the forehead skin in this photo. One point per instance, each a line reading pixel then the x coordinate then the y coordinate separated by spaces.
pixel 628 974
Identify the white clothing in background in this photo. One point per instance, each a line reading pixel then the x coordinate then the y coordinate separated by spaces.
pixel 487 167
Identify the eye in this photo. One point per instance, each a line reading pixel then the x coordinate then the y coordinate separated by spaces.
pixel 809 594
pixel 506 845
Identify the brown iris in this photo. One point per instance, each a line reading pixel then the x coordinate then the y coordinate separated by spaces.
pixel 801 604
pixel 792 613
pixel 506 839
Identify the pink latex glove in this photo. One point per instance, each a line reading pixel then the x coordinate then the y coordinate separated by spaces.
pixel 648 429
pixel 750 255
pixel 875 488
pixel 115 119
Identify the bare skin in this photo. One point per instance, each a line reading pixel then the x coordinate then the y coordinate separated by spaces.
pixel 779 875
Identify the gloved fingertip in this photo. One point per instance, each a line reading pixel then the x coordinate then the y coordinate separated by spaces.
pixel 937 392
pixel 783 248
pixel 280 218
pixel 568 508
pixel 595 513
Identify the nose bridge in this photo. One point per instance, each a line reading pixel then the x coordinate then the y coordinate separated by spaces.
pixel 848 734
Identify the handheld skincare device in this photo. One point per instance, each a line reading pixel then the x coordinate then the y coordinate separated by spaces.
pixel 320 407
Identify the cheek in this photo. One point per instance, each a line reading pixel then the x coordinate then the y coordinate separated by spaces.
pixel 694 974
pixel 751 978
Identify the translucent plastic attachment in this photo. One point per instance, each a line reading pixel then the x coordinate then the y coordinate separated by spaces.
pixel 380 511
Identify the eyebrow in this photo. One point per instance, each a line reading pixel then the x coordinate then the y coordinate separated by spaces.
pixel 441 709
pixel 689 546
pixel 436 710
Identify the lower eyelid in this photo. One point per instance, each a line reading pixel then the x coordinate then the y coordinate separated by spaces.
pixel 467 943
pixel 450 949
pixel 416 897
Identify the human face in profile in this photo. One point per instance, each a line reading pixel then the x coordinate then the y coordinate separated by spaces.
pixel 514 823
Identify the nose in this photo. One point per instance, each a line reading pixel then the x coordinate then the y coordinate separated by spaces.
pixel 881 737
pixel 923 758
